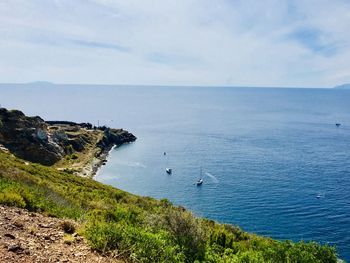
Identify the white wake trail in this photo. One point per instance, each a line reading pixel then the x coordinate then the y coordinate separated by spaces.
pixel 131 164
pixel 215 180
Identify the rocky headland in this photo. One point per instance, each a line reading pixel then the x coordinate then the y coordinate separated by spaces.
pixel 78 148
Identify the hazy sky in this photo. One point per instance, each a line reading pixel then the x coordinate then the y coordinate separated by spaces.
pixel 177 42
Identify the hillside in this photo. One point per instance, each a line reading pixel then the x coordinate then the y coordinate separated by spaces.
pixel 32 237
pixel 137 229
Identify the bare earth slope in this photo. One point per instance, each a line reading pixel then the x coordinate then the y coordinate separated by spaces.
pixel 32 237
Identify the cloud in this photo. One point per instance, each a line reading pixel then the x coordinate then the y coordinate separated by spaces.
pixel 188 42
pixel 94 44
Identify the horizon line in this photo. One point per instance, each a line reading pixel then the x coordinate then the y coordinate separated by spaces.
pixel 160 85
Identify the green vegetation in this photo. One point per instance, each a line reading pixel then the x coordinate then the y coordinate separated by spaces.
pixel 68 239
pixel 140 229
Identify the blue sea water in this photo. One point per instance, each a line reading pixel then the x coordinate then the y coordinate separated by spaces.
pixel 273 160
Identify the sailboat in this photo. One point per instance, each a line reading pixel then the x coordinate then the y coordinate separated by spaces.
pixel 167 169
pixel 200 180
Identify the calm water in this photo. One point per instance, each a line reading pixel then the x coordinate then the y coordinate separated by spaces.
pixel 266 153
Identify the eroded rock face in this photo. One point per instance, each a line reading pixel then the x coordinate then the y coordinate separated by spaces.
pixel 28 137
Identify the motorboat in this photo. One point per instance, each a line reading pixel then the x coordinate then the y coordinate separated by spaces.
pixel 168 170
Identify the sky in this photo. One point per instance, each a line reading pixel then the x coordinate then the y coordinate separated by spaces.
pixel 275 43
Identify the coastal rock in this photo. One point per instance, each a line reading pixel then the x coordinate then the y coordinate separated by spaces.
pixel 28 137
pixel 115 137
pixel 33 139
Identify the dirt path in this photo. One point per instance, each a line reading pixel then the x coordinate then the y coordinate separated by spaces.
pixel 32 237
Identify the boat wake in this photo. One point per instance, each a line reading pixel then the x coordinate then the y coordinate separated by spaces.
pixel 131 164
pixel 213 178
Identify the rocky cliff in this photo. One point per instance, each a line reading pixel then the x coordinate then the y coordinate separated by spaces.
pixel 115 137
pixel 33 139
pixel 28 138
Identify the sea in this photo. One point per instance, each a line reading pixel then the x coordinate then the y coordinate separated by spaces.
pixel 272 159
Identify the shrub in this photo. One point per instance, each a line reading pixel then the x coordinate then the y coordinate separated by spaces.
pixel 251 256
pixel 69 149
pixel 68 227
pixel 165 203
pixel 188 233
pixel 12 199
pixel 104 236
pixel 151 247
pixel 309 252
pixel 68 239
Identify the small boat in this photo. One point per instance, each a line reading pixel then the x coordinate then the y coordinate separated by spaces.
pixel 318 196
pixel 337 124
pixel 200 180
pixel 168 170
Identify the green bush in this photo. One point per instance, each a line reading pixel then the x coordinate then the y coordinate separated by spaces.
pixel 188 233
pixel 69 149
pixel 12 199
pixel 134 243
pixel 104 236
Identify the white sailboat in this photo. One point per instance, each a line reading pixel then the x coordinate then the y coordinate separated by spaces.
pixel 200 180
pixel 167 169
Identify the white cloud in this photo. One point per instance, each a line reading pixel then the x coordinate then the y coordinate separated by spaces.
pixel 198 42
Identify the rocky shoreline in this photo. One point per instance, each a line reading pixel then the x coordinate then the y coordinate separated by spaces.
pixel 91 169
pixel 112 139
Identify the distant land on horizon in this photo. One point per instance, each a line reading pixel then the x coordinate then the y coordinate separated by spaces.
pixel 343 86
pixel 48 83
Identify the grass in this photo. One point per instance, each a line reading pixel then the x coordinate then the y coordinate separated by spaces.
pixel 140 229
